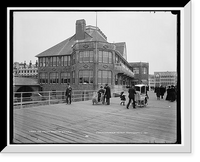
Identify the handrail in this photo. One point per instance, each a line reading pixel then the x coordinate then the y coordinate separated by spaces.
pixel 27 99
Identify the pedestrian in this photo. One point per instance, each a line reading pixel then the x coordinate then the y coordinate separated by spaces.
pixel 168 97
pixel 107 94
pixel 131 96
pixel 123 98
pixel 158 93
pixel 173 94
pixel 68 94
pixel 162 91
pixel 101 92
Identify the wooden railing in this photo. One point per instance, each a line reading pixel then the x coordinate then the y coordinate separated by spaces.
pixel 30 99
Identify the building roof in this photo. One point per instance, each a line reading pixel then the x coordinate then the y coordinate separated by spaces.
pixel 65 47
pixel 166 73
pixel 24 81
pixel 121 47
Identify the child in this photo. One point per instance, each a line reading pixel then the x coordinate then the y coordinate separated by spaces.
pixel 95 98
pixel 123 98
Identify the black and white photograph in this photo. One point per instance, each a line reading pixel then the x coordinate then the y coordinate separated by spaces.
pixel 96 76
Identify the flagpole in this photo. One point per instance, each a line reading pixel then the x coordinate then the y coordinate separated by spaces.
pixel 96 19
pixel 96 38
pixel 96 57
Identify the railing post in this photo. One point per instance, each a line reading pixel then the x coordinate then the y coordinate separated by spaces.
pixel 21 100
pixel 49 97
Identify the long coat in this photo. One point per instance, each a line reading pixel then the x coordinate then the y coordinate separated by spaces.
pixel 108 92
pixel 132 93
pixel 68 91
pixel 162 91
pixel 157 91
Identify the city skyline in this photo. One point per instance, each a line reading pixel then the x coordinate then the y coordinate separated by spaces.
pixel 149 36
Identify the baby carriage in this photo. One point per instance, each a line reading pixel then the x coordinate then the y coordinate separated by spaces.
pixel 141 97
pixel 97 98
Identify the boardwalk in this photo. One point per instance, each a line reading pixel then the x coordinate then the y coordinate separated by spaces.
pixel 83 122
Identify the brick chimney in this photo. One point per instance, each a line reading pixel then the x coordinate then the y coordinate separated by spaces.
pixel 80 29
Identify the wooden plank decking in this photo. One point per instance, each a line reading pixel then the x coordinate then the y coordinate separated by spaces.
pixel 83 122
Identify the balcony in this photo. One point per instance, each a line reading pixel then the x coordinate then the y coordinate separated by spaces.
pixel 121 68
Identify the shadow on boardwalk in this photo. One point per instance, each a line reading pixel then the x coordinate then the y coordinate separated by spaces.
pixel 82 122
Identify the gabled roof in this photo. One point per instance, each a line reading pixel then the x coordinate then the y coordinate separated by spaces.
pixel 61 48
pixel 65 47
pixel 120 47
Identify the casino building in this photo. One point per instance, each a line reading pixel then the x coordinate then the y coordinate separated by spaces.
pixel 85 60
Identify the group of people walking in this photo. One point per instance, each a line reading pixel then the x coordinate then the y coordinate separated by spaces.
pixel 171 93
pixel 104 91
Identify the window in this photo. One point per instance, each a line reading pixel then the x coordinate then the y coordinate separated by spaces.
pixel 43 78
pixel 81 57
pixel 40 62
pixel 53 77
pixel 57 61
pixel 65 77
pixel 136 70
pixel 68 60
pixel 104 76
pixel 109 57
pixel 144 70
pixel 44 61
pixel 47 61
pixel 50 61
pixel 100 56
pixel 54 61
pixel 91 56
pixel 85 76
pixel 65 61
pixel 73 58
pixel 105 57
pixel 86 56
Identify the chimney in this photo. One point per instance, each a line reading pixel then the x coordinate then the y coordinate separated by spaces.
pixel 80 29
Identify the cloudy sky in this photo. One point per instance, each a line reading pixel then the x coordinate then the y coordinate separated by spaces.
pixel 149 36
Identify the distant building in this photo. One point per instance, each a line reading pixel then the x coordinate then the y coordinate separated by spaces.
pixel 24 70
pixel 165 78
pixel 141 71
pixel 85 60
pixel 151 81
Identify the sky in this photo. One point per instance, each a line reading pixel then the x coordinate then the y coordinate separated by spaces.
pixel 149 36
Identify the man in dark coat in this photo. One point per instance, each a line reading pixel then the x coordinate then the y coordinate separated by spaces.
pixel 158 93
pixel 131 96
pixel 68 94
pixel 107 94
pixel 173 94
pixel 162 91
pixel 168 97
